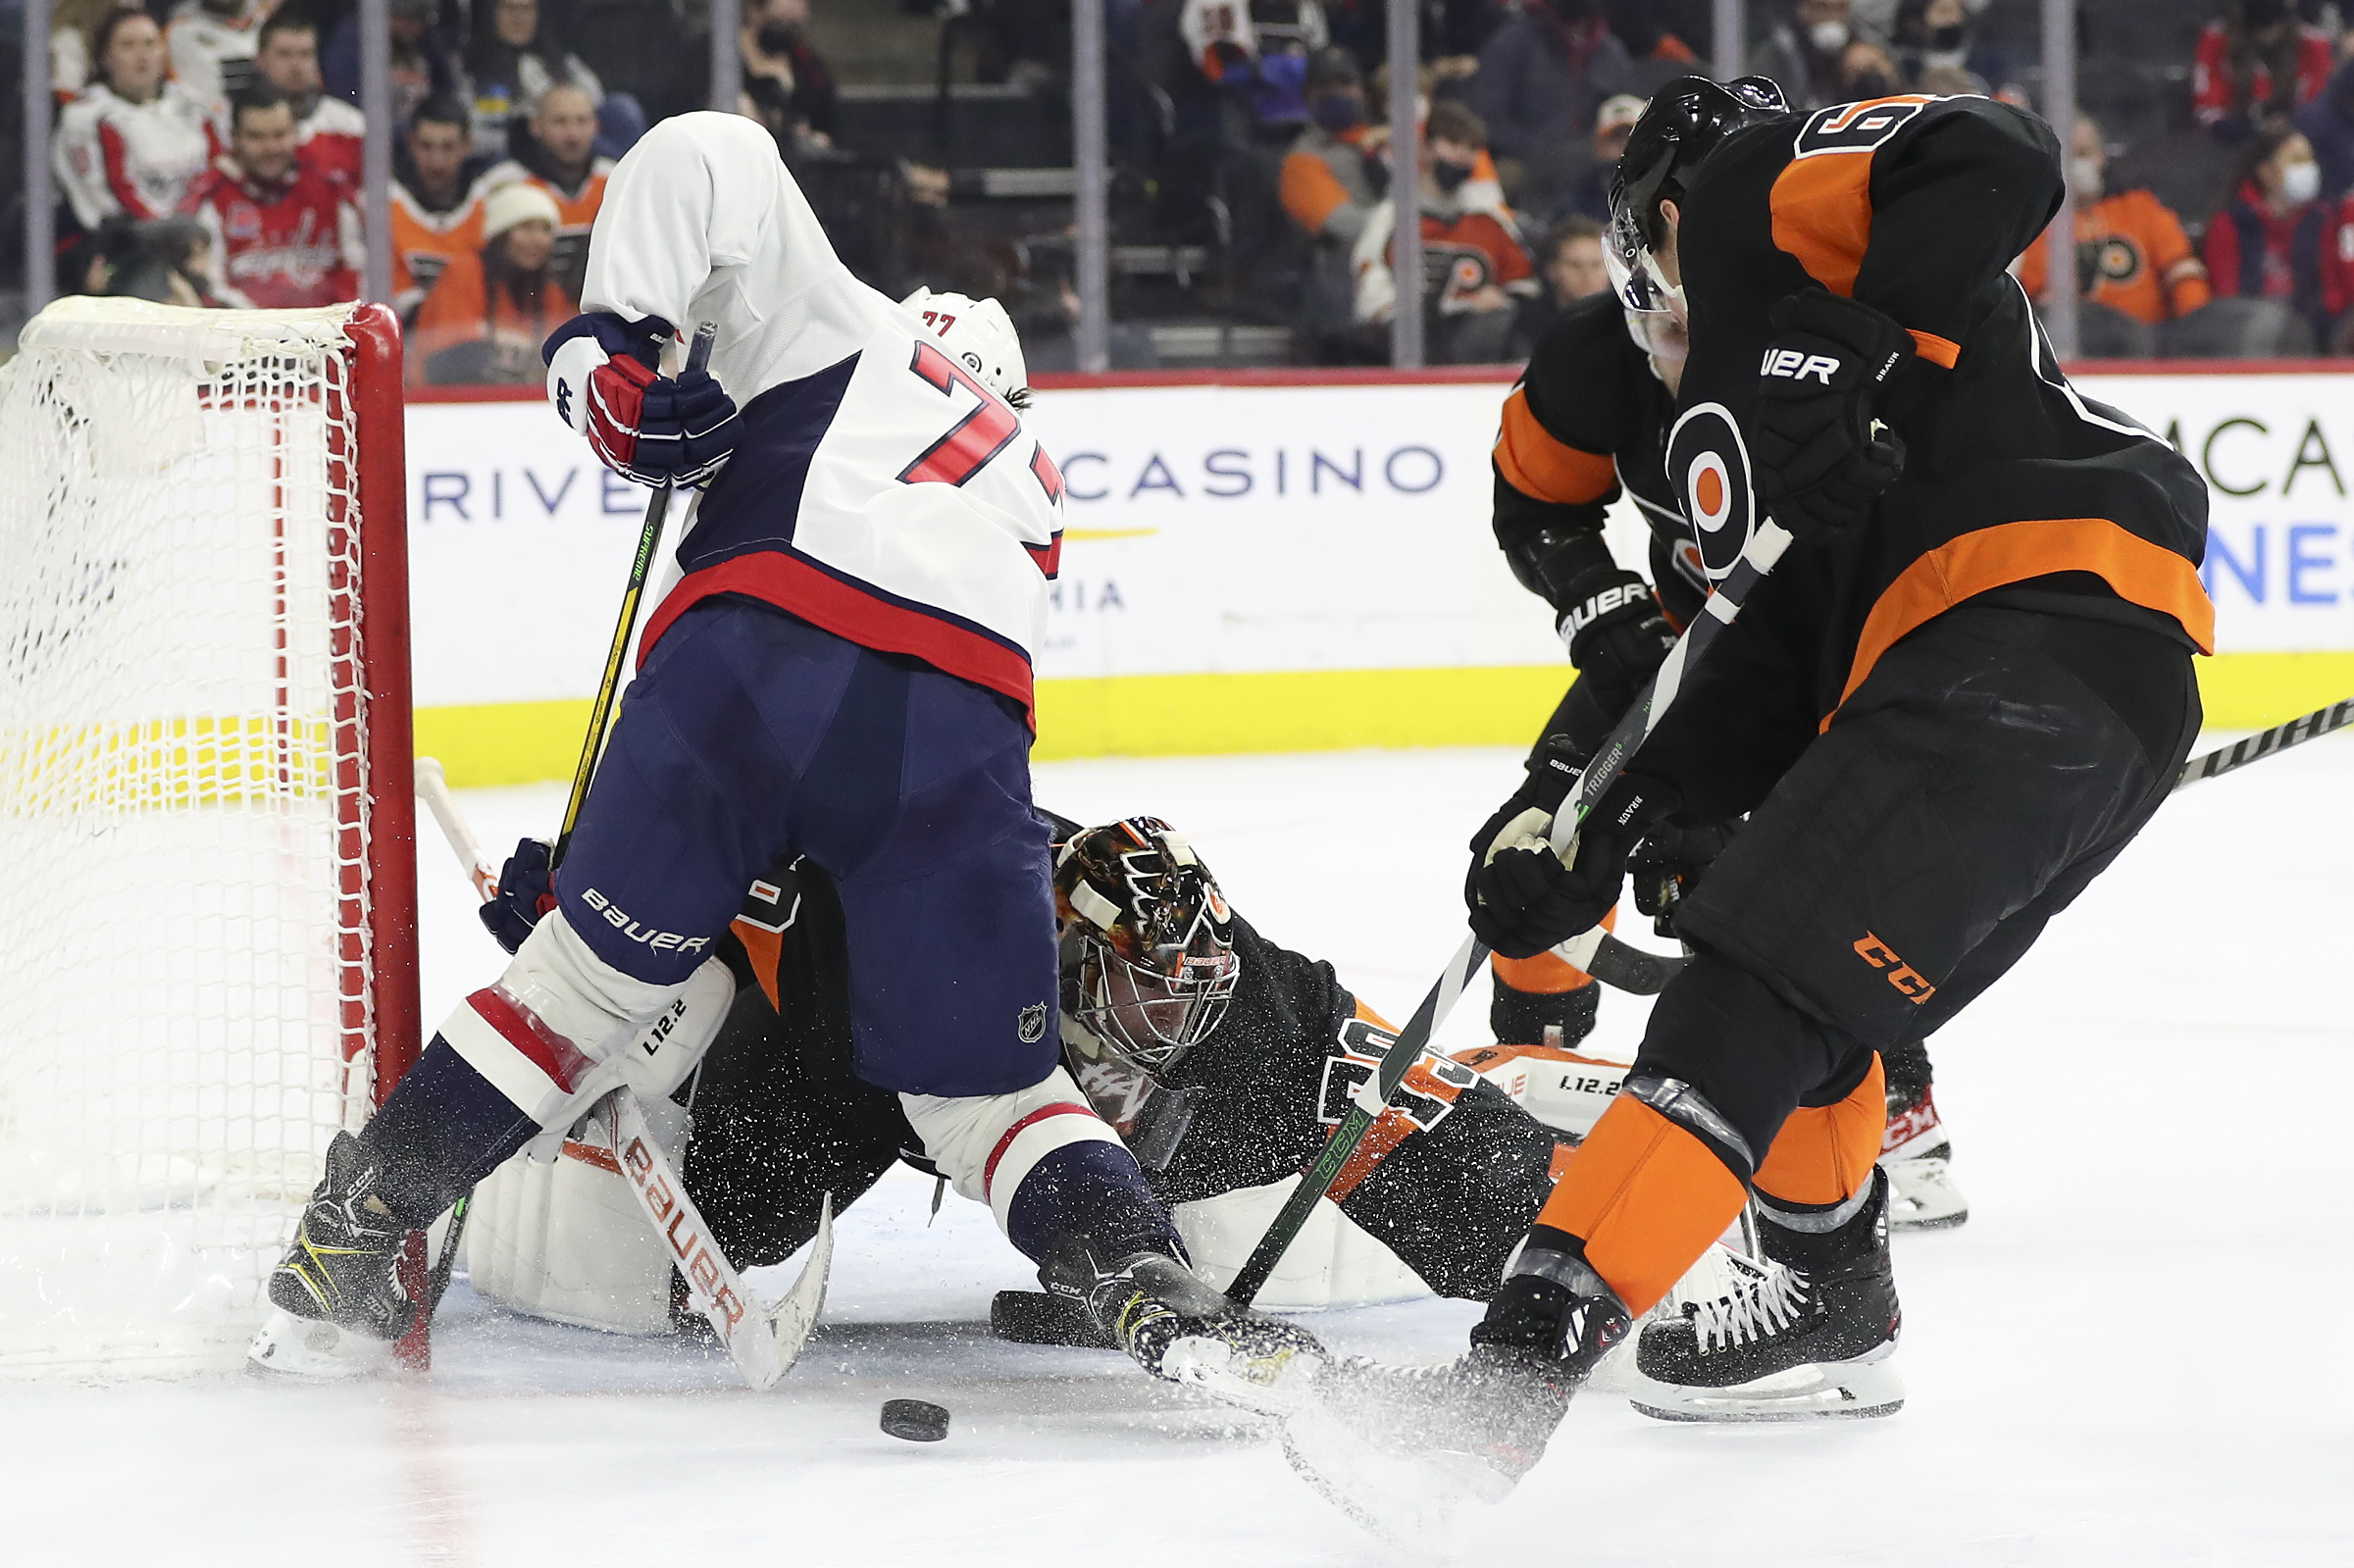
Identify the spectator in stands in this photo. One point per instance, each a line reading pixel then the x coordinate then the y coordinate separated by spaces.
pixel 1569 263
pixel 1865 71
pixel 2328 123
pixel 437 210
pixel 170 263
pixel 2254 65
pixel 1260 52
pixel 328 134
pixel 2272 241
pixel 132 143
pixel 560 158
pixel 423 63
pixel 1475 269
pixel 513 59
pixel 1542 76
pixel 775 49
pixel 1806 52
pixel 281 233
pixel 72 23
pixel 213 43
pixel 491 308
pixel 1614 121
pixel 2131 254
pixel 1936 36
pixel 1327 187
pixel 1648 30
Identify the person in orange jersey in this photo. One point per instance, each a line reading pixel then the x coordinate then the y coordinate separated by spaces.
pixel 1962 689
pixel 491 308
pixel 2131 253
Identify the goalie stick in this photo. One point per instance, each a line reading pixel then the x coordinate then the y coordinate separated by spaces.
pixel 1372 1097
pixel 763 1343
pixel 2267 743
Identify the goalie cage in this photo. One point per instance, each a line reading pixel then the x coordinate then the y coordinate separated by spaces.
pixel 205 809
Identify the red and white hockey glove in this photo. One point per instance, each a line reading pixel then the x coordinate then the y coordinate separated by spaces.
pixel 650 427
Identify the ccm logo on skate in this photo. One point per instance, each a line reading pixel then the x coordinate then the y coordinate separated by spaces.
pixel 1789 365
pixel 1903 976
pixel 691 1252
pixel 658 941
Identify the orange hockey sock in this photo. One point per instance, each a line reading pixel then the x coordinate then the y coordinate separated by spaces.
pixel 1823 1155
pixel 1645 1195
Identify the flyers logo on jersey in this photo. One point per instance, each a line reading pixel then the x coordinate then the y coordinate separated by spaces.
pixel 1857 126
pixel 1709 464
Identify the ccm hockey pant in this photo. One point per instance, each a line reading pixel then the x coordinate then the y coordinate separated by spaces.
pixel 1992 764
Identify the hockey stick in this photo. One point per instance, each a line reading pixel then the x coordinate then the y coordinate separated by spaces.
pixel 1372 1097
pixel 768 1350
pixel 649 538
pixel 2279 738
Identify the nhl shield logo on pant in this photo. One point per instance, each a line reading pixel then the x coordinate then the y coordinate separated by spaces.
pixel 1033 1022
pixel 1709 464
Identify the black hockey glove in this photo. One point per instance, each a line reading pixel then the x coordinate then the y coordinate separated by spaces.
pixel 1820 456
pixel 1608 617
pixel 1667 866
pixel 527 890
pixel 1522 897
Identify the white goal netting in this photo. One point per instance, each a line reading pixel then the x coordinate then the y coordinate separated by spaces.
pixel 184 1008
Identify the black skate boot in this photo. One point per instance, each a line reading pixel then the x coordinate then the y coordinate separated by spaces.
pixel 1805 1333
pixel 340 1268
pixel 1404 1449
pixel 1176 1325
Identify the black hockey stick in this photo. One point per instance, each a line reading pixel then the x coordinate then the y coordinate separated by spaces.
pixel 649 538
pixel 2270 743
pixel 1372 1097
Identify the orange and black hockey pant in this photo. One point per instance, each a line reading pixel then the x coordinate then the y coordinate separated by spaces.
pixel 1992 764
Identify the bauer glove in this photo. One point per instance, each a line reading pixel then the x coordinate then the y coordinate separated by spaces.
pixel 1524 897
pixel 656 429
pixel 1821 458
pixel 527 890
pixel 1666 866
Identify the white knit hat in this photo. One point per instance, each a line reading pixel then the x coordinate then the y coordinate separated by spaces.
pixel 518 203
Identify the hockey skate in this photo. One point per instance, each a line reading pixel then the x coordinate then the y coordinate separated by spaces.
pixel 1918 1158
pixel 336 1302
pixel 1408 1452
pixel 1806 1331
pixel 1176 1325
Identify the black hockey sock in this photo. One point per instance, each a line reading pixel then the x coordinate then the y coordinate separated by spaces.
pixel 443 1129
pixel 1519 1017
pixel 1093 1191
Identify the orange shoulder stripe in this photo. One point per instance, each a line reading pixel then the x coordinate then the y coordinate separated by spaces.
pixel 2144 574
pixel 1540 466
pixel 1822 217
pixel 1936 350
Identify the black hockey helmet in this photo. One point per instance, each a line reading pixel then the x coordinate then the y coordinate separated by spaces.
pixel 1683 125
pixel 1148 959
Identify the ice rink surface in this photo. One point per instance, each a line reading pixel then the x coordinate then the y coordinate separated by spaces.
pixel 2135 1352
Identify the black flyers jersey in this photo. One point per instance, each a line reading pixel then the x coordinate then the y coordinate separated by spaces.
pixel 1587 420
pixel 1916 206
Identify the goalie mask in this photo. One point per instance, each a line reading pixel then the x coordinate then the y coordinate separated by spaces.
pixel 1149 963
pixel 979 335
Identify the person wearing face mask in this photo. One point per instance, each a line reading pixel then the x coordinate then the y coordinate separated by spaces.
pixel 2255 64
pixel 2328 123
pixel 1475 268
pixel 1936 36
pixel 1590 197
pixel 1865 72
pixel 776 46
pixel 1542 76
pixel 2272 240
pixel 2131 253
pixel 1326 184
pixel 1806 52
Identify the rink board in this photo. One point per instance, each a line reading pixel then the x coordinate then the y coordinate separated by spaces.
pixel 1279 562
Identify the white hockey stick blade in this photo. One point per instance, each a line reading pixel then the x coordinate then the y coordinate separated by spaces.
pixel 432 788
pixel 762 1341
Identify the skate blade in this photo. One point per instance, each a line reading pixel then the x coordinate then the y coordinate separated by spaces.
pixel 1844 1390
pixel 1279 1385
pixel 1923 1197
pixel 1424 1505
pixel 286 1345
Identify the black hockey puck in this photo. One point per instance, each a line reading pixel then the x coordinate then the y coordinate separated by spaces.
pixel 1033 1317
pixel 915 1420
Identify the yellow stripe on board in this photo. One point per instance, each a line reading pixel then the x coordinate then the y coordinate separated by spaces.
pixel 1302 710
pixel 165 763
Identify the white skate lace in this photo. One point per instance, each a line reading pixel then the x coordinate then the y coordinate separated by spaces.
pixel 1762 1307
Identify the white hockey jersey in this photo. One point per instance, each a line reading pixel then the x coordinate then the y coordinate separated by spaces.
pixel 878 490
pixel 113 156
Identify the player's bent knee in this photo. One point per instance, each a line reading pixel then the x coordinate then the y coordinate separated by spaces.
pixel 562 1027
pixel 987 1143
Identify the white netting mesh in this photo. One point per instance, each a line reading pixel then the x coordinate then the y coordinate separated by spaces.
pixel 182 818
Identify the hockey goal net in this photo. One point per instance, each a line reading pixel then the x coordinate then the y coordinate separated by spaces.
pixel 206 814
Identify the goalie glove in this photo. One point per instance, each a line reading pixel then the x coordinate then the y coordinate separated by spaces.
pixel 1526 898
pixel 602 377
pixel 1821 458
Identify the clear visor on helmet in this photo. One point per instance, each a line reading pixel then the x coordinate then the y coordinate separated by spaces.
pixel 1634 270
pixel 1152 1019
